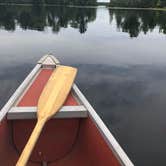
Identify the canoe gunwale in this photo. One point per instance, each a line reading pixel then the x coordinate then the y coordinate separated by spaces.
pixel 108 137
pixel 14 98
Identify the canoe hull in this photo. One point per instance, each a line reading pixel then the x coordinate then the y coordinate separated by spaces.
pixel 72 141
pixel 80 143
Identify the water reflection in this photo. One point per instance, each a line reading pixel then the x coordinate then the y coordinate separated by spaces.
pixel 39 17
pixel 135 22
pixel 123 78
pixel 131 101
pixel 10 81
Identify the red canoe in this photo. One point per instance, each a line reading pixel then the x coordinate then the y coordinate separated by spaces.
pixel 76 136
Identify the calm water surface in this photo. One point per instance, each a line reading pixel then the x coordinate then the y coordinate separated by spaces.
pixel 121 57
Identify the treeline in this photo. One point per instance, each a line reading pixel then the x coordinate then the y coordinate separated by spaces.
pixel 57 2
pixel 40 17
pixel 135 22
pixel 138 3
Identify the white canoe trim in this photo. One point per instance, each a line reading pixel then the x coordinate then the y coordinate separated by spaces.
pixel 49 60
pixel 109 138
pixel 19 92
pixel 30 112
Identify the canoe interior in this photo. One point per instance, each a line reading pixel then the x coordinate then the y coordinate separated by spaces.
pixel 72 141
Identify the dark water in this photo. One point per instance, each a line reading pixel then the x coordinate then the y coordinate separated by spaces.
pixel 121 57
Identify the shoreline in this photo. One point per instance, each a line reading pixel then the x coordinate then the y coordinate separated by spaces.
pixel 135 8
pixel 90 6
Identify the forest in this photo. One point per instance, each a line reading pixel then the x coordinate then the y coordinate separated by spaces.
pixel 113 3
pixel 57 2
pixel 138 3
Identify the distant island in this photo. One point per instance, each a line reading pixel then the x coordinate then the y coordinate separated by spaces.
pixel 112 3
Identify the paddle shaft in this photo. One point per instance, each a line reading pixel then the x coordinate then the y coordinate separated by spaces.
pixel 31 143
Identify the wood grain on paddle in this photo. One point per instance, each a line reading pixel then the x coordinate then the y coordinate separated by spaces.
pixel 50 101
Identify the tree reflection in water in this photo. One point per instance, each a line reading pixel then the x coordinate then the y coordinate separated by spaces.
pixel 39 17
pixel 136 21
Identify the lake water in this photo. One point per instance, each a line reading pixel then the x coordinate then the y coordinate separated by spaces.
pixel 121 57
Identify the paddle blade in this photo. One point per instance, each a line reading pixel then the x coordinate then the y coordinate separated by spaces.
pixel 56 91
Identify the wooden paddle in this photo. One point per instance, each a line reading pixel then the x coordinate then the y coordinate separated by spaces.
pixel 50 101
